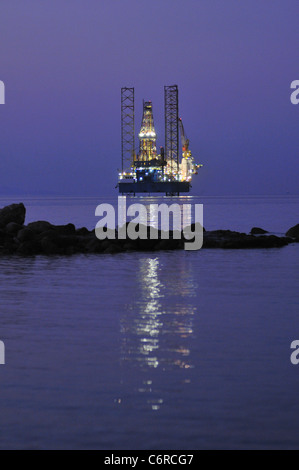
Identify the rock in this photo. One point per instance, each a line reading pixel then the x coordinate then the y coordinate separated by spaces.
pixel 25 235
pixel 51 234
pixel 9 247
pixel 53 242
pixel 112 249
pixel 82 231
pixel 145 245
pixel 14 213
pixel 65 241
pixel 27 248
pixel 258 231
pixel 94 246
pixel 48 247
pixel 2 235
pixel 129 246
pixel 12 228
pixel 235 240
pixel 163 245
pixel 40 226
pixel 293 232
pixel 65 229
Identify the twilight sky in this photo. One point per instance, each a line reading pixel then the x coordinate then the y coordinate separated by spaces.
pixel 64 61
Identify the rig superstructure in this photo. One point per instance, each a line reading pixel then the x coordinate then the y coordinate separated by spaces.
pixel 148 171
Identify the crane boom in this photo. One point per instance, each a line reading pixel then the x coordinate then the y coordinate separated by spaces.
pixel 185 141
pixel 187 166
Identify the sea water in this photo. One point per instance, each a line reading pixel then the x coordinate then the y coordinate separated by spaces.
pixel 163 350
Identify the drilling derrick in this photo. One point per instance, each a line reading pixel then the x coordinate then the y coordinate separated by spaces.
pixel 149 167
pixel 147 135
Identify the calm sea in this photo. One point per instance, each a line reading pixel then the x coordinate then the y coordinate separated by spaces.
pixel 168 350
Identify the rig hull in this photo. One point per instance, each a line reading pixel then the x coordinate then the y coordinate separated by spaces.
pixel 167 187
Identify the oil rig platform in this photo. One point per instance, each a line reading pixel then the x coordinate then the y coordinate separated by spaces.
pixel 148 171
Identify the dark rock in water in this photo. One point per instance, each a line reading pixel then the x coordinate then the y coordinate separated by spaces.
pixel 53 242
pixel 65 229
pixel 25 235
pixel 44 238
pixel 235 240
pixel 48 247
pixel 9 247
pixel 83 231
pixel 52 234
pixel 293 232
pixel 27 248
pixel 146 245
pixel 40 226
pixel 12 228
pixel 129 246
pixel 64 241
pixel 164 245
pixel 112 249
pixel 3 235
pixel 15 213
pixel 258 231
pixel 94 246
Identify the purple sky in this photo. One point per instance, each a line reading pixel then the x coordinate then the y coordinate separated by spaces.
pixel 64 61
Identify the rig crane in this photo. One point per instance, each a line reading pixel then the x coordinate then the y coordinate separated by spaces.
pixel 188 167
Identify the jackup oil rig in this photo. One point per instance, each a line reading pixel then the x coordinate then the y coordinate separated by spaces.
pixel 148 171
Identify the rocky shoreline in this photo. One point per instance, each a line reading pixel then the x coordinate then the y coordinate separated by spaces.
pixel 44 238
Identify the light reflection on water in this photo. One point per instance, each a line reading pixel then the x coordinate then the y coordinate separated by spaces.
pixel 155 332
